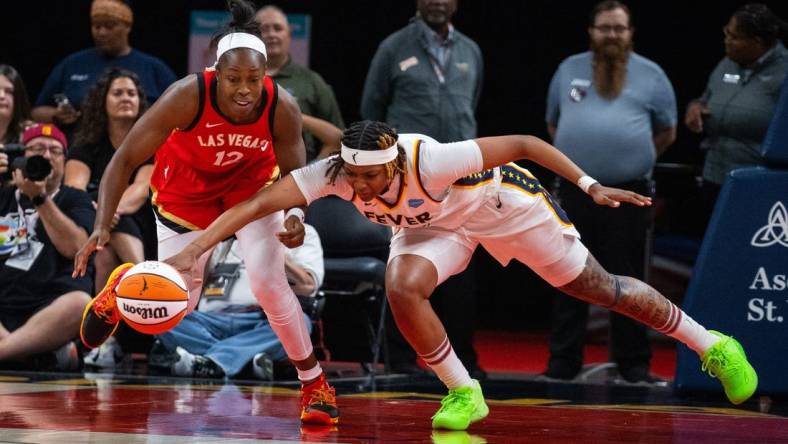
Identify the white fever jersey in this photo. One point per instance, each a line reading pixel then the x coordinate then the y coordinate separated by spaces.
pixel 443 185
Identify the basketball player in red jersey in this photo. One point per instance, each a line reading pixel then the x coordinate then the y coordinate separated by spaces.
pixel 218 137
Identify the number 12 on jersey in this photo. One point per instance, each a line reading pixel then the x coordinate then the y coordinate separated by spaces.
pixel 224 158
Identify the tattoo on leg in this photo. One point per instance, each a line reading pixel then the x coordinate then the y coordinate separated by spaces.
pixel 622 294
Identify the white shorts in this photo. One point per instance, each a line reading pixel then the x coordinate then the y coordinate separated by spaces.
pixel 260 249
pixel 510 225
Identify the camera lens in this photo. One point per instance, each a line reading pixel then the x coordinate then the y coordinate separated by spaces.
pixel 37 168
pixel 34 168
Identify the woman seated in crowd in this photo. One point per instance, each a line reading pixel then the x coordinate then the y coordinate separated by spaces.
pixel 14 113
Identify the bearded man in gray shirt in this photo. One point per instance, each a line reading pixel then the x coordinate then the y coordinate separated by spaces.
pixel 612 112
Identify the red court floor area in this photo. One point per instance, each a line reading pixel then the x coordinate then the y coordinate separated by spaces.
pixel 89 407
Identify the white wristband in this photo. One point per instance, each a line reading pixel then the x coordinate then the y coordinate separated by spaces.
pixel 585 183
pixel 297 212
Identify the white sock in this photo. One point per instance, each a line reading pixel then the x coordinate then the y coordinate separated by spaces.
pixel 309 375
pixel 445 363
pixel 685 329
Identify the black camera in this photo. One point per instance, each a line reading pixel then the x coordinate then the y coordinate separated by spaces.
pixel 34 168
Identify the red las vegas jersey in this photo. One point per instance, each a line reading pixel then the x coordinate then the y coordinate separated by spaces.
pixel 213 156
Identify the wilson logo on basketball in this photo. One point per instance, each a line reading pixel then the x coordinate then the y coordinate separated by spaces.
pixel 146 312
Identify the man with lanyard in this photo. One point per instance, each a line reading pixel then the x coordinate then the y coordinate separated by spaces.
pixel 42 225
pixel 426 78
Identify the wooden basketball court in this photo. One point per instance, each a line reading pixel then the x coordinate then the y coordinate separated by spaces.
pixel 93 407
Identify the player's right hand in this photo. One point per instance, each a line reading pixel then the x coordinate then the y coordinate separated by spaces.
pixel 95 242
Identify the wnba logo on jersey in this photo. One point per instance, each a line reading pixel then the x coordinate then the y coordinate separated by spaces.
pixel 235 141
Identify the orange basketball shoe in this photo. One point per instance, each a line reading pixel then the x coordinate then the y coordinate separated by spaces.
pixel 100 318
pixel 319 403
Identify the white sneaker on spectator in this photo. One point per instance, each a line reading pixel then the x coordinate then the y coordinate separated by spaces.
pixel 108 356
pixel 263 367
pixel 184 366
pixel 195 365
pixel 67 357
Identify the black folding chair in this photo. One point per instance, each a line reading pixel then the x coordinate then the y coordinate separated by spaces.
pixel 355 252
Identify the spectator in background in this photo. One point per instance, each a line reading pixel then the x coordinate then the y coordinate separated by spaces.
pixel 229 330
pixel 14 114
pixel 42 226
pixel 110 24
pixel 14 108
pixel 314 96
pixel 613 112
pixel 426 78
pixel 736 108
pixel 110 109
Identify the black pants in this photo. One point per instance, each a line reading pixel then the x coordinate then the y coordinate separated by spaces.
pixel 619 238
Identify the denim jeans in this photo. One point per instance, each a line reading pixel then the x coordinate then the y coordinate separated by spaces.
pixel 231 340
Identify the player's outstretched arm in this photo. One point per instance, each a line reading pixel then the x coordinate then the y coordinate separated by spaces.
pixel 503 149
pixel 176 108
pixel 283 194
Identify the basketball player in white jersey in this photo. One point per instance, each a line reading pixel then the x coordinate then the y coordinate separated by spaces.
pixel 445 199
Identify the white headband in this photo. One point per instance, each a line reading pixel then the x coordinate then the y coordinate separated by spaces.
pixel 363 158
pixel 240 40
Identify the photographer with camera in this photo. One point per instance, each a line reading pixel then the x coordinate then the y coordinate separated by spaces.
pixel 42 226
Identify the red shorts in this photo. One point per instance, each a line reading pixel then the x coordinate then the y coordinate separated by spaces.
pixel 198 213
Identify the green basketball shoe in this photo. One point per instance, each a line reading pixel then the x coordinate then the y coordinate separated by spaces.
pixel 727 362
pixel 460 408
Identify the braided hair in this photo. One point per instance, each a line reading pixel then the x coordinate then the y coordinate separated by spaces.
pixel 243 20
pixel 368 135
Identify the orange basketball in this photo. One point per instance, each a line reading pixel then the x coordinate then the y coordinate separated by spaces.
pixel 152 297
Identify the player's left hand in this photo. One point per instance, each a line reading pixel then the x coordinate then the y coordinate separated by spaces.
pixel 613 197
pixel 293 236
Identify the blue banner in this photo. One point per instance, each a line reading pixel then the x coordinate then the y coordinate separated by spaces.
pixel 740 282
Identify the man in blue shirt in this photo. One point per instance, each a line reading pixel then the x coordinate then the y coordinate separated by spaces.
pixel 612 112
pixel 110 24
